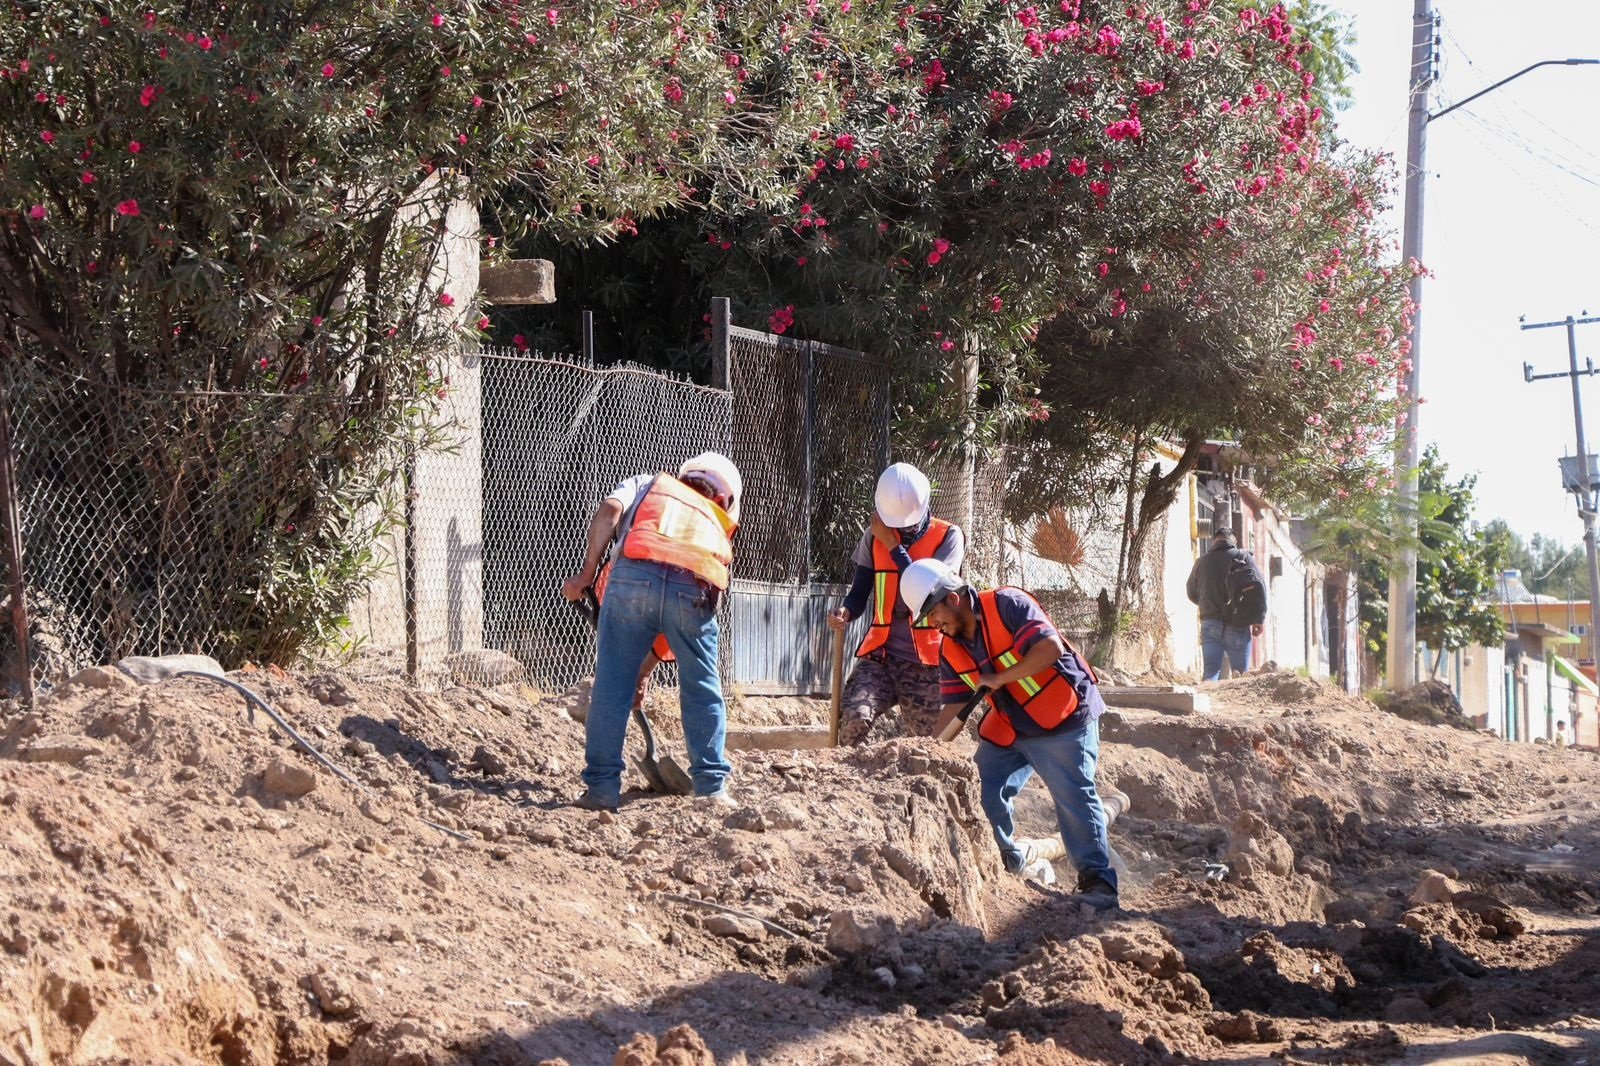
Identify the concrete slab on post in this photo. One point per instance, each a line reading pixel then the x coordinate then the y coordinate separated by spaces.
pixel 517 281
pixel 777 738
pixel 1175 699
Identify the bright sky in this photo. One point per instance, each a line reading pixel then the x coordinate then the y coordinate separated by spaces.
pixel 1512 227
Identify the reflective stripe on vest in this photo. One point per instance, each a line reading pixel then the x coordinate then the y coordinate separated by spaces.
pixel 1048 697
pixel 886 594
pixel 675 525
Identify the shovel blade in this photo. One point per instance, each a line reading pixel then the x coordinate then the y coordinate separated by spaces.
pixel 674 777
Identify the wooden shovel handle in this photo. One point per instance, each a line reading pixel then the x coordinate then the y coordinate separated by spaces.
pixel 836 709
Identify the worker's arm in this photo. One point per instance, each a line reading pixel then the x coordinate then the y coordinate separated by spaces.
pixel 890 539
pixel 1036 660
pixel 855 601
pixel 1193 588
pixel 601 529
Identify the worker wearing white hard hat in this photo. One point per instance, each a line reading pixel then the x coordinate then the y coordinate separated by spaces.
pixel 671 540
pixel 897 662
pixel 1043 715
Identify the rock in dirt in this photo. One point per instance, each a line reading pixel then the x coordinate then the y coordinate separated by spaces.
pixel 153 669
pixel 62 748
pixel 680 1046
pixel 1264 846
pixel 736 927
pixel 784 815
pixel 1496 917
pixel 483 666
pixel 488 763
pixel 853 931
pixel 100 677
pixel 1435 887
pixel 288 779
pixel 333 994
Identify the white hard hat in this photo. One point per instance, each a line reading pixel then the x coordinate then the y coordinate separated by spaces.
pixel 924 585
pixel 720 471
pixel 902 496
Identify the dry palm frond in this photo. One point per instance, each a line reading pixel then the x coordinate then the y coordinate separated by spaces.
pixel 1056 540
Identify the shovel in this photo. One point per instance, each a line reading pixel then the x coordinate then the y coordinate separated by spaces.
pixel 837 704
pixel 661 772
pixel 959 722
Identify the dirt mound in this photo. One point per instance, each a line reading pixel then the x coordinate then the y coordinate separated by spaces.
pixel 1284 689
pixel 184 884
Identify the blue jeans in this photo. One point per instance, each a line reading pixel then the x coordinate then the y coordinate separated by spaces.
pixel 1065 762
pixel 642 600
pixel 1216 638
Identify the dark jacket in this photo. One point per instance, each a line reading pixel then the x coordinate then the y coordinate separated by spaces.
pixel 1208 581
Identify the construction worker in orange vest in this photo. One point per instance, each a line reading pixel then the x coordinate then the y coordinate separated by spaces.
pixel 897 662
pixel 673 537
pixel 1043 716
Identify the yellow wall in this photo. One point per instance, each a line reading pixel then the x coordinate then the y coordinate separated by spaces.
pixel 1561 616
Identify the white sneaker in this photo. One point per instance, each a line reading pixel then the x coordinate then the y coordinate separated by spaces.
pixel 1050 849
pixel 1039 870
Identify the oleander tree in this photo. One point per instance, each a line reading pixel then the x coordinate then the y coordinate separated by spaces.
pixel 220 253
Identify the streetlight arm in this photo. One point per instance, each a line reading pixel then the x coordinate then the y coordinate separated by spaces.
pixel 1514 77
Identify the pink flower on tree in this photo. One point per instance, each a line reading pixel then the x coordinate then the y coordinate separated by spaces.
pixel 47 137
pixel 781 319
pixel 327 70
pixel 134 147
pixel 673 91
pixel 88 177
pixel 128 208
pixel 520 342
pixel 996 304
pixel 1124 130
pixel 446 300
pixel 437 20
pixel 1078 168
pixel 37 212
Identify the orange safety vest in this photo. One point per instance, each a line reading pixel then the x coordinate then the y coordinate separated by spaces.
pixel 886 595
pixel 675 525
pixel 1047 697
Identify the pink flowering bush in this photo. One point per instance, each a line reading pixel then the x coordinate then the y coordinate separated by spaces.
pixel 246 199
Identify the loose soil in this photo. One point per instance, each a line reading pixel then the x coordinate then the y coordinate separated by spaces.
pixel 1306 879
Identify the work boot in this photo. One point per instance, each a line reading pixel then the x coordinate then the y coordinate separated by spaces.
pixel 1097 892
pixel 596 801
pixel 721 798
pixel 1050 849
pixel 1039 870
pixel 1114 802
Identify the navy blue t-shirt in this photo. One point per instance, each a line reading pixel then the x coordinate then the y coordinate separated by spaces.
pixel 1021 614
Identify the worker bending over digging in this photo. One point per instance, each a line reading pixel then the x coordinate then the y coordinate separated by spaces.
pixel 1044 714
pixel 674 547
pixel 898 661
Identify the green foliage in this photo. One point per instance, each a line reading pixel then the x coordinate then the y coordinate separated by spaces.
pixel 248 199
pixel 1550 567
pixel 1457 565
pixel 1331 33
pixel 1127 213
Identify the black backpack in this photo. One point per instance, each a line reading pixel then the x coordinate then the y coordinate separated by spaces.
pixel 1247 597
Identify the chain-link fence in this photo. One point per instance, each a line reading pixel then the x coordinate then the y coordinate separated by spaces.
pixel 497 522
pixel 197 521
pixel 147 529
pixel 811 433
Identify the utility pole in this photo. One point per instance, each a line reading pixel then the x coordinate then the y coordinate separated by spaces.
pixel 1402 671
pixel 1402 659
pixel 1585 488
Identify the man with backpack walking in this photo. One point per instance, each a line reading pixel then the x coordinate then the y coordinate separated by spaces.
pixel 1232 596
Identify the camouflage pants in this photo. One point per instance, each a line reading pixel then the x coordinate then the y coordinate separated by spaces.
pixel 879 683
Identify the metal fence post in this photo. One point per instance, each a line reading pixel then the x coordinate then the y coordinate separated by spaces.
pixel 13 532
pixel 588 337
pixel 721 323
